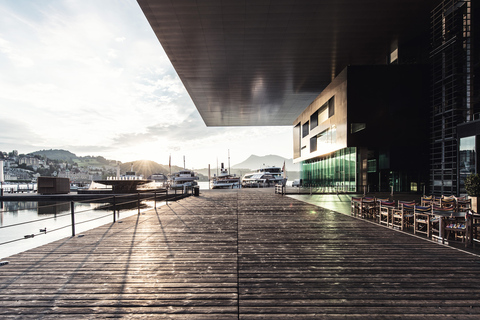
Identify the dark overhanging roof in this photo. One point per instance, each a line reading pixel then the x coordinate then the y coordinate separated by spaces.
pixel 262 62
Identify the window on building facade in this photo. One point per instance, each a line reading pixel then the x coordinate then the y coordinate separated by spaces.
pixel 372 165
pixel 326 139
pixel 305 130
pixel 323 113
pixel 413 187
pixel 314 120
pixel 326 110
pixel 313 144
pixel 357 127
pixel 337 170
pixel 467 155
pixel 331 106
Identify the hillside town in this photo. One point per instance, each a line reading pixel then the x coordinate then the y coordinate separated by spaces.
pixel 28 167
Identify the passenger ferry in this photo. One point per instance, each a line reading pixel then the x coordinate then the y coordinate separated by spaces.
pixel 263 177
pixel 183 178
pixel 225 180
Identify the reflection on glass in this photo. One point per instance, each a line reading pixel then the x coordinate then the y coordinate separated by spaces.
pixel 467 163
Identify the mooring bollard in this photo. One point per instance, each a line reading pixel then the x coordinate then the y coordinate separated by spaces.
pixel 72 211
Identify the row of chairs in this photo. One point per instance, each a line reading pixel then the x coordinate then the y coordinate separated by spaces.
pixel 440 217
pixel 458 204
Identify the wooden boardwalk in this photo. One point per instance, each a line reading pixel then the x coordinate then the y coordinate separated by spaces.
pixel 241 255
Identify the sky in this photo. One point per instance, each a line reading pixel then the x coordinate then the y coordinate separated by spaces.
pixel 91 77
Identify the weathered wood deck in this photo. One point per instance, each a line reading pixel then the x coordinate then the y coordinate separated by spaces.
pixel 241 255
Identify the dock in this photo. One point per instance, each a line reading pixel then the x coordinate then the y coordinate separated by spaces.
pixel 241 254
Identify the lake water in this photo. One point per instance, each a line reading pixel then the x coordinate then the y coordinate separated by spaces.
pixel 20 220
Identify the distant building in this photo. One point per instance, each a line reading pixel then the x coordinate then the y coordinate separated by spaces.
pixel 29 161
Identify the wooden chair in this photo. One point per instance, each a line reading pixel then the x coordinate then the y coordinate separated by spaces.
pixel 464 204
pixel 473 226
pixel 426 201
pixel 456 226
pixel 385 212
pixel 437 220
pixel 355 206
pixel 402 216
pixel 367 207
pixel 436 200
pixel 449 203
pixel 421 222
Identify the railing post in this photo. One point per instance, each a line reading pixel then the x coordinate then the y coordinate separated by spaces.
pixel 72 212
pixel 114 209
pixel 155 198
pixel 138 196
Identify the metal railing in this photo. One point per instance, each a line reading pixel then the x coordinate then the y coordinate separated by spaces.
pixel 113 203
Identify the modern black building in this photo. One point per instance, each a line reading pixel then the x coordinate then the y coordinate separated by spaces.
pixel 455 94
pixel 442 109
pixel 367 131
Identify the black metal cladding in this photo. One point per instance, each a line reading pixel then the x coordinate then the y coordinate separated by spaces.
pixel 451 81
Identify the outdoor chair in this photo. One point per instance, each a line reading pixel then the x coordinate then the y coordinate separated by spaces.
pixel 385 212
pixel 449 203
pixel 356 205
pixel 426 201
pixel 437 200
pixel 367 207
pixel 473 226
pixel 456 226
pixel 402 217
pixel 421 222
pixel 464 204
pixel 438 218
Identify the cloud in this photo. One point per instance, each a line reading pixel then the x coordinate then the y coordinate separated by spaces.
pixel 91 77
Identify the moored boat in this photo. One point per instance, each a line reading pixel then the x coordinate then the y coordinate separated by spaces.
pixel 225 180
pixel 263 177
pixel 181 179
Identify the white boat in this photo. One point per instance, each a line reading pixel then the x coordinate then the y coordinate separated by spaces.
pixel 183 178
pixel 263 177
pixel 225 180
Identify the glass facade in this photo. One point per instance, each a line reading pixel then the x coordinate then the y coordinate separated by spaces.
pixel 335 172
pixel 467 157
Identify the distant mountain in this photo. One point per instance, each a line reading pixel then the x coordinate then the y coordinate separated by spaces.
pixel 57 154
pixel 67 156
pixel 254 162
pixel 147 167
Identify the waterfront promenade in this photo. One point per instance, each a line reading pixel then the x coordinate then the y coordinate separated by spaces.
pixel 241 254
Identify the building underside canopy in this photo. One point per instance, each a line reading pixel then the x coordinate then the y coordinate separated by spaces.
pixel 262 62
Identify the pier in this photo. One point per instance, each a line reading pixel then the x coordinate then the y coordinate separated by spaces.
pixel 241 254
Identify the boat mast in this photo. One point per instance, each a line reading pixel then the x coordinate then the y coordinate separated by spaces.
pixel 228 161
